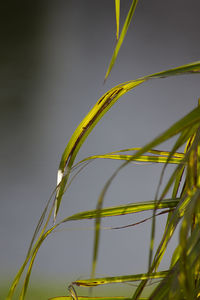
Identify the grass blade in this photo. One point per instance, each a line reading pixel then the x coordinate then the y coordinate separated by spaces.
pixel 124 209
pixel 122 36
pixel 82 132
pixel 119 279
pixel 89 122
pixel 117 12
pixel 97 112
pixel 142 158
pixel 184 136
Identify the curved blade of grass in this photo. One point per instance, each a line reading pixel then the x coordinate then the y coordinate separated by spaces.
pixel 33 256
pixel 172 284
pixel 122 36
pixel 186 283
pixel 36 250
pixel 124 209
pixel 176 216
pixel 83 130
pixel 159 153
pixel 172 179
pixel 97 112
pixel 176 187
pixel 168 233
pixel 117 12
pixel 190 119
pixel 31 251
pixel 119 279
pixel 185 122
pixel 106 212
pixel 184 136
pixel 98 222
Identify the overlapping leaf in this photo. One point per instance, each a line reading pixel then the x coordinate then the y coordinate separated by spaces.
pixel 189 123
pixel 106 212
pixel 189 194
pixel 187 126
pixel 181 281
pixel 97 112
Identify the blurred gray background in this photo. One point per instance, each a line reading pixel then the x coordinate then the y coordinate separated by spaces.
pixel 53 59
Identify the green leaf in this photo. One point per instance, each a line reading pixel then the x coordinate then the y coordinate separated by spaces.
pixel 97 112
pixel 117 12
pixel 184 136
pixel 120 279
pixel 122 36
pixel 123 209
pixel 191 119
pixel 85 127
pixel 158 157
pixel 181 281
pixel 31 251
pixel 142 158
pixel 98 222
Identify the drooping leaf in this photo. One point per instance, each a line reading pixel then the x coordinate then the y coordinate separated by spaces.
pixel 97 112
pixel 81 133
pixel 191 120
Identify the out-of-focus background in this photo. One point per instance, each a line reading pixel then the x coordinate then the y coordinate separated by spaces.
pixel 53 59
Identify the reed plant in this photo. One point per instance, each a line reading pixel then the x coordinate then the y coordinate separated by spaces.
pixel 182 278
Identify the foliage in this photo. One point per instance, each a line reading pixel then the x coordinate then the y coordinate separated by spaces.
pixel 181 280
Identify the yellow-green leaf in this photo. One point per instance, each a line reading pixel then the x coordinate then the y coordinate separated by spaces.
pixel 97 112
pixel 124 209
pixel 142 158
pixel 122 36
pixel 117 12
pixel 120 279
